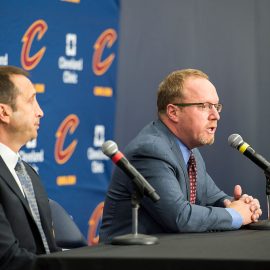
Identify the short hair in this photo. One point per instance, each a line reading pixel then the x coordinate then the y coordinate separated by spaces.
pixel 8 90
pixel 171 88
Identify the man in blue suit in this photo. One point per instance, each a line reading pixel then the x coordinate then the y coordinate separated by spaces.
pixel 188 110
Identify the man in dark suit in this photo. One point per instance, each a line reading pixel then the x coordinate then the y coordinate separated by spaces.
pixel 188 110
pixel 22 237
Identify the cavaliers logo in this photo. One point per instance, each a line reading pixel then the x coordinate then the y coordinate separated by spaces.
pixel 93 237
pixel 106 39
pixel 69 125
pixel 36 30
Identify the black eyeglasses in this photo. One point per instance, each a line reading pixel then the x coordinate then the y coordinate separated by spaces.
pixel 205 106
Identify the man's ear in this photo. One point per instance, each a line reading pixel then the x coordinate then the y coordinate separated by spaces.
pixel 5 113
pixel 172 112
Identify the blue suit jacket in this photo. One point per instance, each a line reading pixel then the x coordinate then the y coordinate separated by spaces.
pixel 157 156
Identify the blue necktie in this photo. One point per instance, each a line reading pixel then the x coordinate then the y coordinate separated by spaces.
pixel 30 196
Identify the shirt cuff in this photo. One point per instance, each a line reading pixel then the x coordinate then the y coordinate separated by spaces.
pixel 237 220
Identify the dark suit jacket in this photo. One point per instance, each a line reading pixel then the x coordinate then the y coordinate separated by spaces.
pixel 157 156
pixel 20 239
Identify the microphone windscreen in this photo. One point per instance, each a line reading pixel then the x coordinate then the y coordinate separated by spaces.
pixel 235 140
pixel 109 148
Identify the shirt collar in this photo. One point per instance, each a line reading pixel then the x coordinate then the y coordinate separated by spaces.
pixel 9 157
pixel 185 151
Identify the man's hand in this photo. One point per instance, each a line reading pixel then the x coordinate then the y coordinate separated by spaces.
pixel 254 206
pixel 237 193
pixel 253 203
pixel 242 208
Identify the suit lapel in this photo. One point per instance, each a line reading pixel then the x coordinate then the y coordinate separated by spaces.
pixel 173 145
pixel 7 177
pixel 176 150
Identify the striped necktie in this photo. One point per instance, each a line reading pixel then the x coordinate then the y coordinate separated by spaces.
pixel 192 173
pixel 31 199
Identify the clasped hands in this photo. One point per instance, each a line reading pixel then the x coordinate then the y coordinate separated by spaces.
pixel 247 206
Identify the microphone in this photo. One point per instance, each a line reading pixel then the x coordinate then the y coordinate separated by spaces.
pixel 236 141
pixel 110 149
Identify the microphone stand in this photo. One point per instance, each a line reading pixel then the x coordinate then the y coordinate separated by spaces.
pixel 135 238
pixel 264 224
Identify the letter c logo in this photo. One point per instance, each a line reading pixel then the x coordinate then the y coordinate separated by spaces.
pixel 69 125
pixel 38 28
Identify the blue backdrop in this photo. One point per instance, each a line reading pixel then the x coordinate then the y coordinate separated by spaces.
pixel 70 49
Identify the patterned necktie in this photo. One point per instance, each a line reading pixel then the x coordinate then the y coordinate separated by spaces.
pixel 30 196
pixel 192 173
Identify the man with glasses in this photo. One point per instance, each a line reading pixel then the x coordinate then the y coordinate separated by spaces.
pixel 165 153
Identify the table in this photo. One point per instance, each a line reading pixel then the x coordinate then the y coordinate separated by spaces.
pixel 241 249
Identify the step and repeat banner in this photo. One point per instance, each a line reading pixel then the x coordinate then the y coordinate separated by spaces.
pixel 70 48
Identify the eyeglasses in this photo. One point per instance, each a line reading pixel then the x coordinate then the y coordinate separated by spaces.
pixel 205 106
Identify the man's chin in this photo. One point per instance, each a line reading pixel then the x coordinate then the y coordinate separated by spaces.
pixel 211 141
pixel 33 137
pixel 207 141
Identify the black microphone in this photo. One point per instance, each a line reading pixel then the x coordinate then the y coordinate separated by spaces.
pixel 236 141
pixel 110 149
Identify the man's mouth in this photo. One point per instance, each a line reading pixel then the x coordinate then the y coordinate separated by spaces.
pixel 212 130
